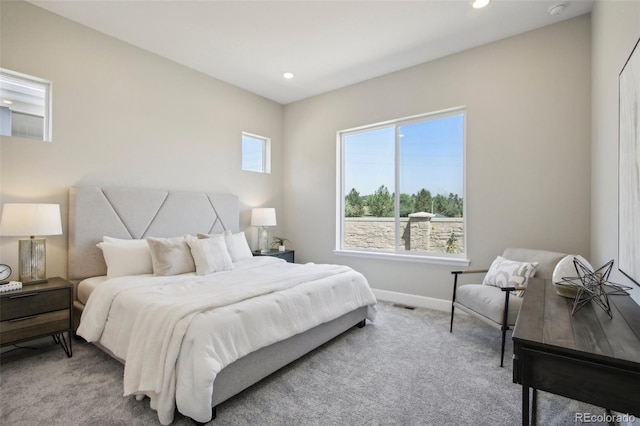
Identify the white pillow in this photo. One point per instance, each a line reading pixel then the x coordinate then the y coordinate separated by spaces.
pixel 236 245
pixel 126 257
pixel 231 246
pixel 170 256
pixel 114 240
pixel 241 247
pixel 210 254
pixel 509 273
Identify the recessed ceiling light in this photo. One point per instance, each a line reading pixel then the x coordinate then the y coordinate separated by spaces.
pixel 479 4
pixel 8 102
pixel 557 9
pixel 288 75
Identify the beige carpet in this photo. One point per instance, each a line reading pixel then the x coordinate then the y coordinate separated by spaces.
pixel 404 369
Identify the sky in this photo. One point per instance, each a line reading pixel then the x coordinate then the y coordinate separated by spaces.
pixel 252 154
pixel 431 154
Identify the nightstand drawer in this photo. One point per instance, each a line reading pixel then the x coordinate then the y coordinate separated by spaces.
pixel 28 327
pixel 32 303
pixel 38 310
pixel 287 255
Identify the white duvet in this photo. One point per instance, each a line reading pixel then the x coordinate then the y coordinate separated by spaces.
pixel 176 333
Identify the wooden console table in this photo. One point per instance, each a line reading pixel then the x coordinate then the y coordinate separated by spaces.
pixel 587 356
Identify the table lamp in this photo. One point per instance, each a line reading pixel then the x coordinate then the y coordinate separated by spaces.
pixel 263 217
pixel 22 219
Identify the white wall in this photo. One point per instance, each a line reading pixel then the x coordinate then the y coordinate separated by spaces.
pixel 528 150
pixel 616 29
pixel 125 117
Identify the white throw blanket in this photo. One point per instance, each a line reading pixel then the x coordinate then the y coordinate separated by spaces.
pixel 158 335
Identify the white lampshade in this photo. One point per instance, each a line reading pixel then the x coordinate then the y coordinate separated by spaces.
pixel 263 216
pixel 26 219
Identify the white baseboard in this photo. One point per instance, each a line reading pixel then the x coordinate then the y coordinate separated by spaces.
pixel 413 300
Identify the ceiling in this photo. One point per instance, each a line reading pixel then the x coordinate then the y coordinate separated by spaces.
pixel 326 44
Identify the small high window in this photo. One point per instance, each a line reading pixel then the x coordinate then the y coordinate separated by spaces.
pixel 25 106
pixel 256 153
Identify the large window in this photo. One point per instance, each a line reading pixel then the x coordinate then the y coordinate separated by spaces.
pixel 401 186
pixel 25 106
pixel 256 153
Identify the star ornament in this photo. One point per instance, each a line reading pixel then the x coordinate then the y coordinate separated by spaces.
pixel 593 286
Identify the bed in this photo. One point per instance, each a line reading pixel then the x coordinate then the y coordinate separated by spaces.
pixel 287 311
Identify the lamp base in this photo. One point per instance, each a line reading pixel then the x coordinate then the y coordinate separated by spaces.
pixel 263 242
pixel 32 262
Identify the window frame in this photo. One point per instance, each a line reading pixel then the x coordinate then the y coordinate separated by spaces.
pixel 47 132
pixel 266 152
pixel 341 192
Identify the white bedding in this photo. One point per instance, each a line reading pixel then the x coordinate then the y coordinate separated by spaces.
pixel 86 287
pixel 164 326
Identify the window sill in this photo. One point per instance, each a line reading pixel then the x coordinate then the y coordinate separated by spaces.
pixel 435 260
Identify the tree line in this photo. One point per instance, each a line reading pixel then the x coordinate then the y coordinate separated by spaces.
pixel 380 203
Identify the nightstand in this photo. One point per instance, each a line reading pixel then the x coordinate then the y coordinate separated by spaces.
pixel 287 255
pixel 38 310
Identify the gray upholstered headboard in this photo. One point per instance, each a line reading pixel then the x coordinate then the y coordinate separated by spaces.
pixel 139 213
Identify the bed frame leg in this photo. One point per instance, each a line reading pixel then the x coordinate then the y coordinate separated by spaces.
pixel 362 323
